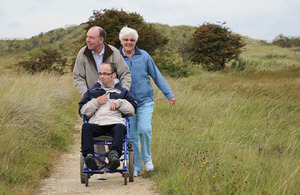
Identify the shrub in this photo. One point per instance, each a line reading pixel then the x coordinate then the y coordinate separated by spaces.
pixel 171 64
pixel 238 65
pixel 48 60
pixel 213 45
pixel 284 41
pixel 113 21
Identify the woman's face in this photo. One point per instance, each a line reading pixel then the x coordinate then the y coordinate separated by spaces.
pixel 128 42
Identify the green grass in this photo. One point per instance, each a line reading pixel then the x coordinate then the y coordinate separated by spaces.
pixel 37 118
pixel 260 56
pixel 229 133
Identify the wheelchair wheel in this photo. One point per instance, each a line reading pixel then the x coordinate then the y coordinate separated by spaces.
pixel 131 166
pixel 82 178
pixel 86 179
pixel 125 174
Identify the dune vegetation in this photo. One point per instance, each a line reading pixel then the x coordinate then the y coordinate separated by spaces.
pixel 37 117
pixel 230 132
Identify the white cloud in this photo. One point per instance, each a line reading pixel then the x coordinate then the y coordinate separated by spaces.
pixel 254 18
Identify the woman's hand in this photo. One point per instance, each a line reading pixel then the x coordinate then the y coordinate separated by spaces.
pixel 172 101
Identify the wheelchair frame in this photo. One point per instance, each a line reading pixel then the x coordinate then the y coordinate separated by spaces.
pixel 127 159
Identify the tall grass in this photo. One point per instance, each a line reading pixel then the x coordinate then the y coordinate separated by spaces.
pixel 260 56
pixel 229 133
pixel 37 118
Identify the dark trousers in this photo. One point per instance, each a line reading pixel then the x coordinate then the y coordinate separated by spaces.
pixel 89 131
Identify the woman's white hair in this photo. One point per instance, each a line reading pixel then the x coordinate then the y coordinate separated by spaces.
pixel 128 31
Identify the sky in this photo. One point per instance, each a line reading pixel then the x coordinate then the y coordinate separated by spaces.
pixel 258 19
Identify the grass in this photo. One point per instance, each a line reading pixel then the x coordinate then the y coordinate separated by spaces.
pixel 37 120
pixel 229 133
pixel 260 56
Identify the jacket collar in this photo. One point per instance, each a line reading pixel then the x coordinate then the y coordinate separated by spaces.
pixel 116 89
pixel 137 51
pixel 107 52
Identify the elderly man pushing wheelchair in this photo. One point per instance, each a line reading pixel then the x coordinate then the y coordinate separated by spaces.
pixel 103 106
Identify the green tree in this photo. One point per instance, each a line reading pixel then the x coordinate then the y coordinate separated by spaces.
pixel 113 21
pixel 213 45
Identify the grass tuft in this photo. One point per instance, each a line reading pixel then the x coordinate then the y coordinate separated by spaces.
pixel 37 117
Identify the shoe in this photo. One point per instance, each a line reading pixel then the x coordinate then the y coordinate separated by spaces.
pixel 102 176
pixel 137 173
pixel 90 162
pixel 113 159
pixel 149 166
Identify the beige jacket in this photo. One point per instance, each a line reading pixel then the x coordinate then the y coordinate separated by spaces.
pixel 85 73
pixel 102 115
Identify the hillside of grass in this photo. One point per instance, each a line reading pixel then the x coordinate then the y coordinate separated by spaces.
pixel 230 132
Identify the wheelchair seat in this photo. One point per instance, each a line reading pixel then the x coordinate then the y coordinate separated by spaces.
pixel 103 138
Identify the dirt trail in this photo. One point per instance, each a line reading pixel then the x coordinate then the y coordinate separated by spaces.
pixel 65 179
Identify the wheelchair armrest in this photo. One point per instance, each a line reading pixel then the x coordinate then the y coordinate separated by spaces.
pixel 126 115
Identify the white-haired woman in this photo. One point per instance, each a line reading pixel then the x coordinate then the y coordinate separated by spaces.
pixel 141 66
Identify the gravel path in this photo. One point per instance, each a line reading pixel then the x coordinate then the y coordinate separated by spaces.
pixel 65 179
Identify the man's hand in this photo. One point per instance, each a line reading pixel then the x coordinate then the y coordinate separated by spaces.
pixel 101 99
pixel 113 106
pixel 172 101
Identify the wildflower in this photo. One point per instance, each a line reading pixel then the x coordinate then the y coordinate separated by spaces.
pixel 176 188
pixel 204 162
pixel 214 176
pixel 198 179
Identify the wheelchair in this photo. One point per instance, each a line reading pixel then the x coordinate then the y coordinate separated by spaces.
pixel 126 159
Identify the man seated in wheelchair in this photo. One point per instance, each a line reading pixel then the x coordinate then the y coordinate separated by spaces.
pixel 103 106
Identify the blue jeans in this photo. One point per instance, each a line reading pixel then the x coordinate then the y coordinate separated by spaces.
pixel 141 130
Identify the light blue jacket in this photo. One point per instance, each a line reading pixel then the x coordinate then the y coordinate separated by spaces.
pixel 141 66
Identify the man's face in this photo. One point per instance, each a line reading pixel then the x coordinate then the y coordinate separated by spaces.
pixel 128 42
pixel 93 40
pixel 106 76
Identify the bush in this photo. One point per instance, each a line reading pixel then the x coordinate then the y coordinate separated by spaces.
pixel 113 21
pixel 213 45
pixel 238 65
pixel 284 41
pixel 48 60
pixel 170 64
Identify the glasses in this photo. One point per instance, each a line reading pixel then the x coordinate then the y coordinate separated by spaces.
pixel 104 73
pixel 131 40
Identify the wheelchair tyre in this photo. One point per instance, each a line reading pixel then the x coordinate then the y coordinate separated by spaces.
pixel 86 179
pixel 125 177
pixel 82 178
pixel 131 166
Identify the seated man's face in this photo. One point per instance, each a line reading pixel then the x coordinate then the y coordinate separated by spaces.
pixel 106 76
